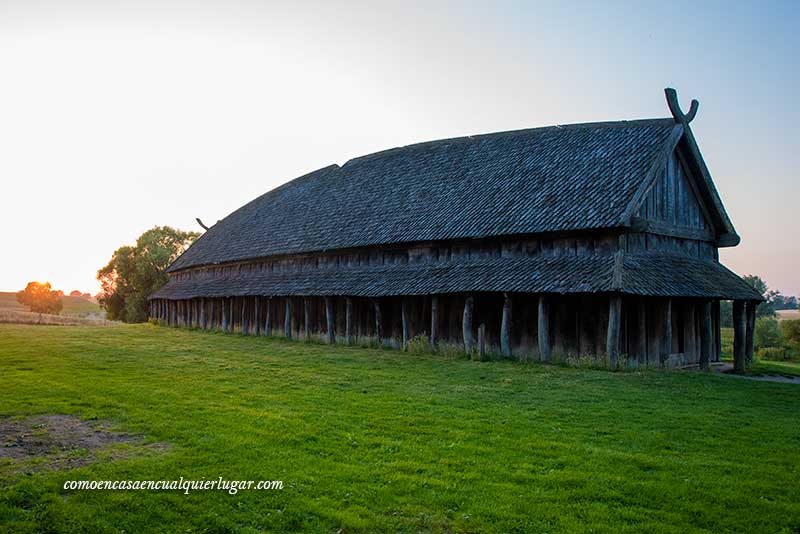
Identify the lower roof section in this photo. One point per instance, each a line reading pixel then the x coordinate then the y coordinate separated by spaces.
pixel 663 275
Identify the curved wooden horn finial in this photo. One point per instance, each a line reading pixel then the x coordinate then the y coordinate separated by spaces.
pixel 675 108
pixel 692 110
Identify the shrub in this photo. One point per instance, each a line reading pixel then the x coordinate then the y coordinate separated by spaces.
pixel 768 333
pixel 419 344
pixel 790 329
pixel 776 354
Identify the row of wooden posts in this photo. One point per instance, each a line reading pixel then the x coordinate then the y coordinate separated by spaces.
pixel 203 313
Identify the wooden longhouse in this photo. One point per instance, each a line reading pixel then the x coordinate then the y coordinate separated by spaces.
pixel 589 239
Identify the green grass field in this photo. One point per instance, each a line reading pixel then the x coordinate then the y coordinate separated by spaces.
pixel 375 440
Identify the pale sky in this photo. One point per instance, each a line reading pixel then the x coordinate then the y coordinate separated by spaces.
pixel 119 116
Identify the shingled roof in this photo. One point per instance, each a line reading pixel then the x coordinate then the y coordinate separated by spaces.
pixel 559 178
pixel 665 275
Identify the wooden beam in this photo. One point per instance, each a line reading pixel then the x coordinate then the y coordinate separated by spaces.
pixel 378 320
pixel 466 324
pixel 434 321
pixel 613 331
pixel 406 323
pixel 203 316
pixel 482 342
pixel 666 332
pixel 307 317
pixel 287 320
pixel 243 320
pixel 586 326
pixel 750 317
pixel 329 319
pixel 348 320
pixel 545 348
pixel 256 316
pixel 715 308
pixel 641 331
pixel 231 303
pixel 505 327
pixel 706 335
pixel 639 224
pixel 268 318
pixel 739 336
pixel 690 344
pixel 224 315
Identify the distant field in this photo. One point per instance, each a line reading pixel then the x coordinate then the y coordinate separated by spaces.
pixel 788 314
pixel 72 305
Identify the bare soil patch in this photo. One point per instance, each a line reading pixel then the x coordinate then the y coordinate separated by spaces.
pixel 59 441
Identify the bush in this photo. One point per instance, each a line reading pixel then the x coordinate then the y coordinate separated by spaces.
pixel 419 344
pixel 768 333
pixel 776 354
pixel 790 329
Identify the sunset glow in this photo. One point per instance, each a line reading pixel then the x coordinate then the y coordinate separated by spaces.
pixel 119 117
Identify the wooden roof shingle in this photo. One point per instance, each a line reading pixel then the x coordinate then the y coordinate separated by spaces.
pixel 558 178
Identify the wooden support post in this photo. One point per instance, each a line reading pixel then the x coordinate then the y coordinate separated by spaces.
pixel 641 331
pixel 287 320
pixel 348 320
pixel 256 316
pixel 482 342
pixel 739 336
pixel 203 317
pixel 404 323
pixel 717 338
pixel 505 327
pixel 690 344
pixel 586 327
pixel 268 318
pixel 666 332
pixel 244 322
pixel 212 318
pixel 612 334
pixel 434 321
pixel 231 305
pixel 749 342
pixel 466 325
pixel 224 315
pixel 544 329
pixel 378 320
pixel 307 317
pixel 329 320
pixel 706 335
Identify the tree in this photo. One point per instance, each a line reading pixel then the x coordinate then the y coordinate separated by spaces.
pixel 75 293
pixel 768 333
pixel 40 298
pixel 766 308
pixel 784 303
pixel 134 272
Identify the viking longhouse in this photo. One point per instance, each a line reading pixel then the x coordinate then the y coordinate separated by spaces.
pixel 589 239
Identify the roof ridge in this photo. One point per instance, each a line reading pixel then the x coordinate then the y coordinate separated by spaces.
pixel 504 133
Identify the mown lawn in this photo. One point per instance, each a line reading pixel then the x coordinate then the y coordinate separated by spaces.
pixel 374 440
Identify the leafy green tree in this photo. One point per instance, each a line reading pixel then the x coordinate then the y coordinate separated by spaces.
pixel 134 272
pixel 768 333
pixel 790 328
pixel 40 298
pixel 766 308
